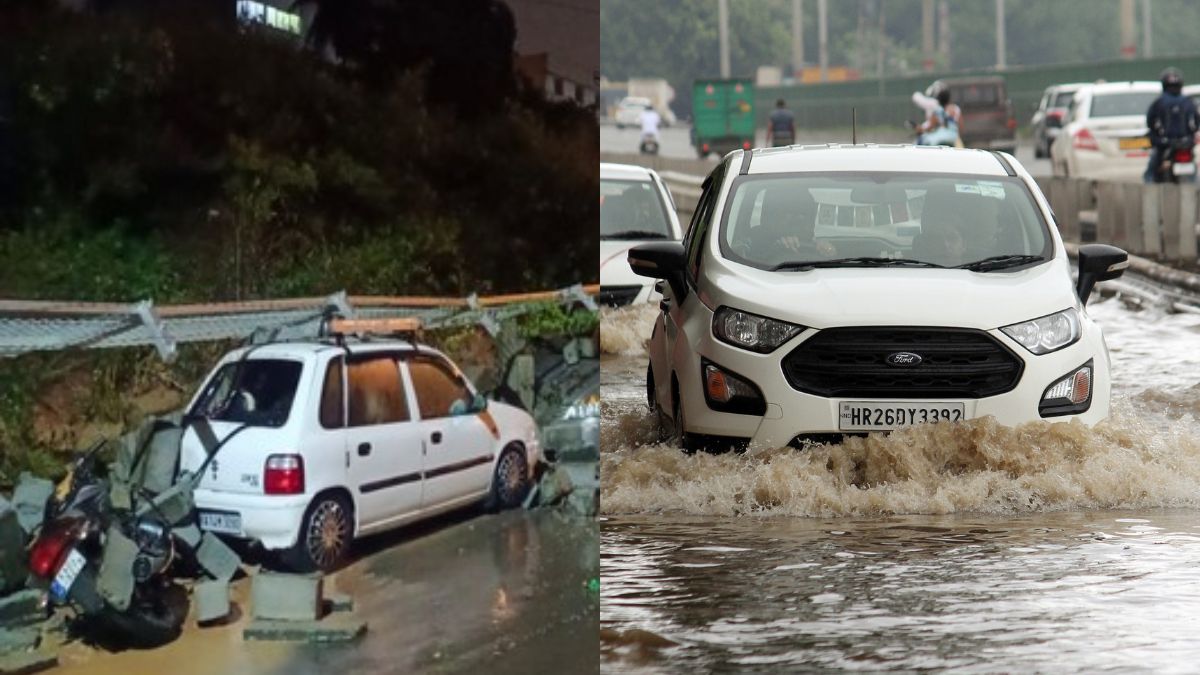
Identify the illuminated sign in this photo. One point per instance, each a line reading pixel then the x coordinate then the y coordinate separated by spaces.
pixel 250 11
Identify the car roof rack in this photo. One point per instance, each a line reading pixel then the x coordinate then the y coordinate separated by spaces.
pixel 338 328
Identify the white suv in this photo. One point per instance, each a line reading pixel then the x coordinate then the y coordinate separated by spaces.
pixel 318 443
pixel 845 289
pixel 635 207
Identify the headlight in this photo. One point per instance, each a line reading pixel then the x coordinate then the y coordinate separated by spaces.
pixel 750 331
pixel 1044 335
pixel 583 408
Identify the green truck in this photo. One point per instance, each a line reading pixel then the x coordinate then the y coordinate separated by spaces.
pixel 722 116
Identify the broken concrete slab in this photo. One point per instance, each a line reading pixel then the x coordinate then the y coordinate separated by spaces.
pixel 115 582
pixel 13 567
pixel 29 500
pixel 338 628
pixel 212 601
pixel 26 662
pixel 161 458
pixel 174 504
pixel 21 609
pixel 19 639
pixel 340 602
pixel 217 558
pixel 287 597
pixel 189 534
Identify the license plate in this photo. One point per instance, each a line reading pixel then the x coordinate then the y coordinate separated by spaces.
pixel 221 521
pixel 1187 169
pixel 66 575
pixel 877 416
pixel 1138 143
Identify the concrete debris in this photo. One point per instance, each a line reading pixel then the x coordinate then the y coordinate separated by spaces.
pixel 24 663
pixel 29 500
pixel 175 504
pixel 217 558
pixel 344 628
pixel 189 534
pixel 286 597
pixel 573 486
pixel 19 639
pixel 339 602
pixel 212 601
pixel 162 457
pixel 12 549
pixel 21 609
pixel 115 582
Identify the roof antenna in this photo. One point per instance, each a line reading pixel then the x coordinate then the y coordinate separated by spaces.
pixel 854 126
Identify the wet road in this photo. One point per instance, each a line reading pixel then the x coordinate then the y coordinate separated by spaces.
pixel 977 548
pixel 468 593
pixel 675 141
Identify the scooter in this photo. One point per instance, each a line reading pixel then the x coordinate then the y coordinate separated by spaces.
pixel 649 144
pixel 1178 163
pixel 69 552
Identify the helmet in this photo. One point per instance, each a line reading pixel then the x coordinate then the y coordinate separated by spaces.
pixel 1171 79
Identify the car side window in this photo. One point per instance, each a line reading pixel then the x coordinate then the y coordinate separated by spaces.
pixel 441 392
pixel 376 392
pixel 702 219
pixel 332 414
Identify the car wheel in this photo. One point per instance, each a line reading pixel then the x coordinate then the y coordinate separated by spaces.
pixel 510 483
pixel 680 438
pixel 325 535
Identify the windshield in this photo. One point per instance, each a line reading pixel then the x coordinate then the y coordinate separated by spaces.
pixel 834 220
pixel 1113 105
pixel 257 392
pixel 975 95
pixel 1063 99
pixel 632 210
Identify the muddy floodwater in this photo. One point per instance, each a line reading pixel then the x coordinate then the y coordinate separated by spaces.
pixel 972 547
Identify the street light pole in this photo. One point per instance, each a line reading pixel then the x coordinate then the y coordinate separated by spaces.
pixel 723 34
pixel 1000 46
pixel 823 37
pixel 797 37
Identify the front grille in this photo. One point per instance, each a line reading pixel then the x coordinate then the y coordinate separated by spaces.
pixel 851 362
pixel 617 296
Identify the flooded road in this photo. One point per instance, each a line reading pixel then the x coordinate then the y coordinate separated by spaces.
pixel 468 593
pixel 974 547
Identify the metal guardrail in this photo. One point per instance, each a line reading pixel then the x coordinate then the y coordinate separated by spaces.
pixel 33 325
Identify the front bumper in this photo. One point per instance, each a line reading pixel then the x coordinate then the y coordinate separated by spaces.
pixel 791 413
pixel 273 520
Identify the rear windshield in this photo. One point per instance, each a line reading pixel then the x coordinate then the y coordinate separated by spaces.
pixel 972 95
pixel 778 221
pixel 1063 99
pixel 1114 105
pixel 258 392
pixel 632 210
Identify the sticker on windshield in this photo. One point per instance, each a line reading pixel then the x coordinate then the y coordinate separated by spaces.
pixel 991 191
pixel 984 188
pixel 966 187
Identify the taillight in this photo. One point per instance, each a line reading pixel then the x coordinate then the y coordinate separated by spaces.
pixel 283 475
pixel 1012 123
pixel 704 147
pixel 1084 140
pixel 745 145
pixel 1183 156
pixel 48 551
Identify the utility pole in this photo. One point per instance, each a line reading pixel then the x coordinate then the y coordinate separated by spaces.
pixel 944 33
pixel 1147 40
pixel 723 35
pixel 927 35
pixel 881 47
pixel 823 37
pixel 1000 46
pixel 1128 44
pixel 797 37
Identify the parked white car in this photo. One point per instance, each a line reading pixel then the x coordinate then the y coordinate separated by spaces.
pixel 321 443
pixel 635 207
pixel 1105 135
pixel 826 290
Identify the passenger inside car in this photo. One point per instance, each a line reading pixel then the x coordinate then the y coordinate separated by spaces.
pixel 787 227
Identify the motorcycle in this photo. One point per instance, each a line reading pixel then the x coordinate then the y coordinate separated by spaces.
pixel 1178 162
pixel 80 552
pixel 649 144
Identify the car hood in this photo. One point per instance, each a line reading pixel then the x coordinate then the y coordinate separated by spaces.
pixel 614 263
pixel 825 298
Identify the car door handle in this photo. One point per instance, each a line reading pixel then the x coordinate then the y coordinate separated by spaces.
pixel 435 437
pixel 364 449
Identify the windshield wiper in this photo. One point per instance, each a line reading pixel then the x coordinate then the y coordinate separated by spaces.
pixel 861 261
pixel 635 234
pixel 999 262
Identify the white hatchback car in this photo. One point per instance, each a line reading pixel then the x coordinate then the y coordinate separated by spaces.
pixel 319 443
pixel 826 290
pixel 635 207
pixel 1105 135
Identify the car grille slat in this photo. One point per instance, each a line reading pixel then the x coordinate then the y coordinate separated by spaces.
pixel 851 362
pixel 617 296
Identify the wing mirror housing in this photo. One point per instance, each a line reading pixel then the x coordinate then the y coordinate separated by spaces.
pixel 661 260
pixel 1099 262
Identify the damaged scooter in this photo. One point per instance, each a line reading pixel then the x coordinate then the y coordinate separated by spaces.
pixel 108 553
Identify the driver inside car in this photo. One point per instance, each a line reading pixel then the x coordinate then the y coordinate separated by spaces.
pixel 787 228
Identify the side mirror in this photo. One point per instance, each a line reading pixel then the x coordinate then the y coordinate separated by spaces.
pixel 661 260
pixel 479 403
pixel 1099 262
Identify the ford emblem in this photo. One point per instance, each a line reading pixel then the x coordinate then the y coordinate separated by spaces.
pixel 904 359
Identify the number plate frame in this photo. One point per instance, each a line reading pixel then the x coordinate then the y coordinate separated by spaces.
pixel 1135 143
pixel 888 416
pixel 66 575
pixel 1184 169
pixel 225 522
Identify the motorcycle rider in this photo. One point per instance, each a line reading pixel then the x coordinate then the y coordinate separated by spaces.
pixel 650 121
pixel 941 126
pixel 1172 119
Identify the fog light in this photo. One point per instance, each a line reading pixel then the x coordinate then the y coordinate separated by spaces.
pixel 727 392
pixel 1070 395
